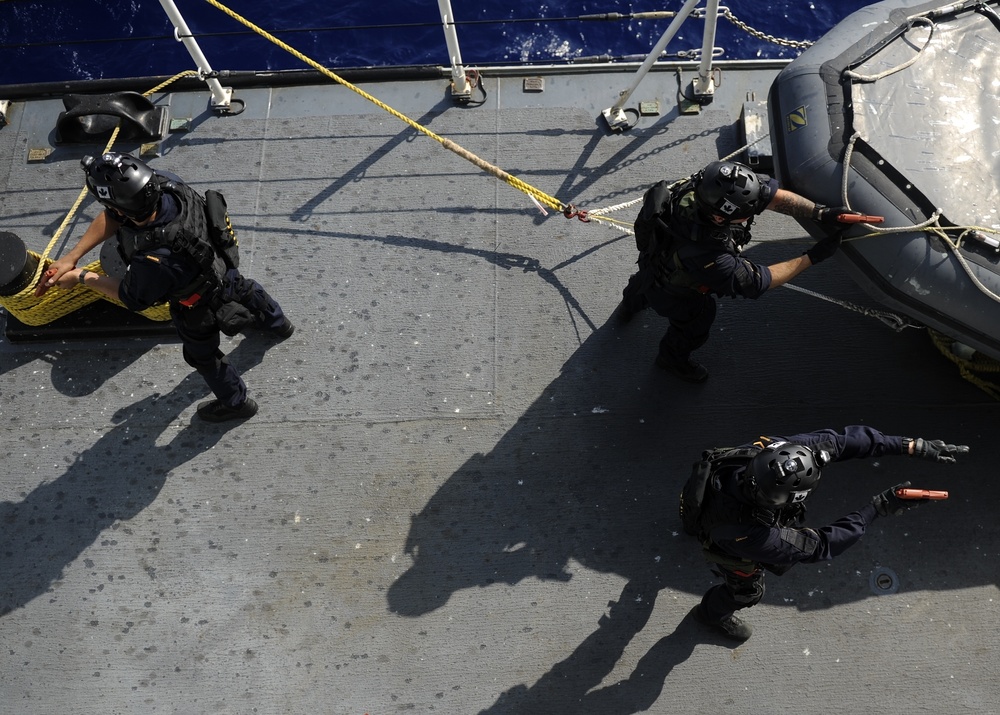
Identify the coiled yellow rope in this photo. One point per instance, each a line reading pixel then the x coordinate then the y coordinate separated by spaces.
pixel 57 303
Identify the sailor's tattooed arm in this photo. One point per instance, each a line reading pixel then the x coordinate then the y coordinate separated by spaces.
pixel 788 202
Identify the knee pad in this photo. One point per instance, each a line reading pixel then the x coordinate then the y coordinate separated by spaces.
pixel 748 591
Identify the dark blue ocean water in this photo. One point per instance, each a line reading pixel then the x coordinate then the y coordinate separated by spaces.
pixel 56 40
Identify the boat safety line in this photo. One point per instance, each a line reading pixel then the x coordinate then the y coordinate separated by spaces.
pixel 568 210
pixel 56 303
pixel 918 20
pixel 931 225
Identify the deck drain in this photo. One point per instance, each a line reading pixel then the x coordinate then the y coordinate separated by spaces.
pixel 884 581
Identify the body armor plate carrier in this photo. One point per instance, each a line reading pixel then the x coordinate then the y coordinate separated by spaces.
pixel 203 235
pixel 705 505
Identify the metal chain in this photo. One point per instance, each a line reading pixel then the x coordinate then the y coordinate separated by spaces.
pixel 797 44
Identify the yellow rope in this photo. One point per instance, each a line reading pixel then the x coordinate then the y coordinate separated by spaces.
pixel 968 367
pixel 499 173
pixel 57 303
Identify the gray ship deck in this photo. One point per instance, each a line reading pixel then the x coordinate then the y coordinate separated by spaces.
pixel 459 495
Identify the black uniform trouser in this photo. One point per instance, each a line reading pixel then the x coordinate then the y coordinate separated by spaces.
pixel 199 332
pixel 739 589
pixel 690 313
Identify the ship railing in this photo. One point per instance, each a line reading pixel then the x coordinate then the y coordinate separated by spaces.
pixel 222 97
pixel 703 87
pixel 461 87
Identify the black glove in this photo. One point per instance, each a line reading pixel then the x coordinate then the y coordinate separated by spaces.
pixel 825 247
pixel 935 450
pixel 829 214
pixel 888 503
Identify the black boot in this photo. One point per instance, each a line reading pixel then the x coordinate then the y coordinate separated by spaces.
pixel 731 627
pixel 688 370
pixel 215 411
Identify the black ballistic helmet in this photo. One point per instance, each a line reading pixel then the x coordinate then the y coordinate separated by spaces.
pixel 784 474
pixel 728 189
pixel 123 183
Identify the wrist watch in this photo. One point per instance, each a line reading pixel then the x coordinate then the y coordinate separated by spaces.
pixel 82 276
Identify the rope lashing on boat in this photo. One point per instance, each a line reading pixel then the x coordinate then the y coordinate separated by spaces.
pixel 931 225
pixel 979 362
pixel 537 195
pixel 56 303
pixel 896 322
pixel 917 20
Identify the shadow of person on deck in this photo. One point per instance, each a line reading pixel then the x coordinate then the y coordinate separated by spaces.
pixel 569 687
pixel 575 478
pixel 589 474
pixel 107 484
pixel 72 376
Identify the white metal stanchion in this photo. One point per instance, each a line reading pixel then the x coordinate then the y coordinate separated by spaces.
pixel 460 86
pixel 615 116
pixel 221 96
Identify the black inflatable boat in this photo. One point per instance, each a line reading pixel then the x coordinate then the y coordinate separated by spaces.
pixel 903 99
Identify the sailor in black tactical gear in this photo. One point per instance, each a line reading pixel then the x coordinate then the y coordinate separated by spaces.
pixel 746 505
pixel 178 248
pixel 690 236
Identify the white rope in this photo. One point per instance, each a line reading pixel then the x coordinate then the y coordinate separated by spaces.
pixel 898 68
pixel 616 207
pixel 633 202
pixel 848 154
pixel 932 224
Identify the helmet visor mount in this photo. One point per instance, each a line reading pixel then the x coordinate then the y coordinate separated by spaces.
pixel 776 492
pixel 123 184
pixel 784 474
pixel 728 190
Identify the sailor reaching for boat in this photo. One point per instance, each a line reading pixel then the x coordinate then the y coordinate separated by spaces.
pixel 690 235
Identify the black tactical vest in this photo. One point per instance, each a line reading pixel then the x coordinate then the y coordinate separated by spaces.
pixel 723 503
pixel 186 235
pixel 684 234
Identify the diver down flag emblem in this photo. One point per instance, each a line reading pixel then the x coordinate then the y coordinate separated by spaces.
pixel 796 119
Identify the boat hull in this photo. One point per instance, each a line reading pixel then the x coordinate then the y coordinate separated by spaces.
pixel 909 107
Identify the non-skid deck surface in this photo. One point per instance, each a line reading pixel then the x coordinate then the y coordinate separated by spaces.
pixel 459 495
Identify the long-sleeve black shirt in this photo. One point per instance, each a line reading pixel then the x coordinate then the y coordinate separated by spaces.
pixel 790 545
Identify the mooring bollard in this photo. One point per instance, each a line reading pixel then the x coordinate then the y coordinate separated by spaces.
pixel 17 264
